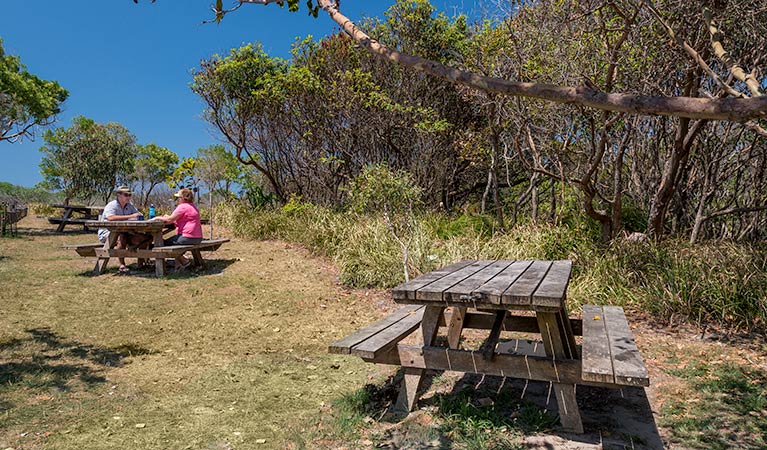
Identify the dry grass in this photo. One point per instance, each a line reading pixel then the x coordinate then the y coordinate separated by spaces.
pixel 235 357
pixel 221 358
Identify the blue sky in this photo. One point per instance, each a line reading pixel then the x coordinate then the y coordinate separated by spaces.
pixel 132 64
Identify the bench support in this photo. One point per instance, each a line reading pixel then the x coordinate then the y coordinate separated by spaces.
pixel 408 394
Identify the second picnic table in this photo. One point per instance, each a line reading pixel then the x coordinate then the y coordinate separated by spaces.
pixel 88 213
pixel 493 290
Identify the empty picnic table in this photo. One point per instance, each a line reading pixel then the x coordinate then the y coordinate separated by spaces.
pixel 485 295
pixel 85 213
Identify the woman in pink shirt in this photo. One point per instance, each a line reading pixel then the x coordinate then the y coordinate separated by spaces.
pixel 187 220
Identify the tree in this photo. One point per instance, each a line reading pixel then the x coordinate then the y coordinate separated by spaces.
pixel 26 101
pixel 218 169
pixel 739 108
pixel 87 159
pixel 153 166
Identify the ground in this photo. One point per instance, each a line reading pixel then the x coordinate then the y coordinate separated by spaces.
pixel 235 356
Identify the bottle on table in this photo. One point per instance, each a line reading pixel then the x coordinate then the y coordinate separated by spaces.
pixel 151 212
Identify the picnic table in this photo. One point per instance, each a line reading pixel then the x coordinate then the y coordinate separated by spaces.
pixel 85 213
pixel 158 252
pixel 503 296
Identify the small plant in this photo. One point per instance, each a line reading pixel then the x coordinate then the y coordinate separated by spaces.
pixel 394 194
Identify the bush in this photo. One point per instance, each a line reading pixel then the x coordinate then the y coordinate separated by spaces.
pixel 722 284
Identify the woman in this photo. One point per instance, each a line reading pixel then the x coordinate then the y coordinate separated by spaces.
pixel 187 220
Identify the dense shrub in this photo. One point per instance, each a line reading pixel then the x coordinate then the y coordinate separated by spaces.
pixel 721 284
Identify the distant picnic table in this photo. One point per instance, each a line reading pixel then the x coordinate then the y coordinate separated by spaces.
pixel 158 251
pixel 84 214
pixel 485 295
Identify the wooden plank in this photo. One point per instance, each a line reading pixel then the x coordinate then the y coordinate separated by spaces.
pixel 488 347
pixel 524 324
pixel 434 291
pixel 455 326
pixel 553 287
pixel 495 287
pixel 520 365
pixel 344 346
pixel 597 364
pixel 521 347
pixel 628 366
pixel 465 288
pixel 521 292
pixel 408 395
pixel 386 338
pixel 407 290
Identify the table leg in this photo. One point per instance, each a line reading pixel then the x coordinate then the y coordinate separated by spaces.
pixel 64 218
pixel 198 261
pixel 455 326
pixel 408 394
pixel 101 263
pixel 556 343
pixel 159 262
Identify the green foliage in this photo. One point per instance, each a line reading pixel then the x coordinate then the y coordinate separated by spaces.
pixel 723 285
pixel 26 101
pixel 153 166
pixel 37 194
pixel 381 189
pixel 254 192
pixel 185 175
pixel 218 168
pixel 87 159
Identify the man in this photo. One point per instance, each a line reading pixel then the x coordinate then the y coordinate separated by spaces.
pixel 122 209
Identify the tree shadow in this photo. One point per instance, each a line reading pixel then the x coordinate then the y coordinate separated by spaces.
pixel 45 360
pixel 43 232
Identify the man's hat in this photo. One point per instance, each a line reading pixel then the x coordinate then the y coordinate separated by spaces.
pixel 123 190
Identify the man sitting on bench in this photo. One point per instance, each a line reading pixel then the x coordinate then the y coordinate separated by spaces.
pixel 122 209
pixel 186 216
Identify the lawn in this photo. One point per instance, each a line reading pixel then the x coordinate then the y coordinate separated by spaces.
pixel 235 356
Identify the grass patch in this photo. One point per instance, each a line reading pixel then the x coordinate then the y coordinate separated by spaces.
pixel 726 407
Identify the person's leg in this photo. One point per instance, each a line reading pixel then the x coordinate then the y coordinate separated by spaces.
pixel 122 242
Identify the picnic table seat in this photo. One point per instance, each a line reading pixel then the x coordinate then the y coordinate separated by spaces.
pixel 609 353
pixel 376 339
pixel 84 249
pixel 170 251
pixel 62 221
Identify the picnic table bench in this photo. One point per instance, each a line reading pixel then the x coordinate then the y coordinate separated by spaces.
pixel 86 214
pixel 482 295
pixel 158 252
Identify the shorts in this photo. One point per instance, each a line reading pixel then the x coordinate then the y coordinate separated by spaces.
pixel 181 240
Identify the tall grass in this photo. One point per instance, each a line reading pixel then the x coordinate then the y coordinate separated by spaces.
pixel 718 284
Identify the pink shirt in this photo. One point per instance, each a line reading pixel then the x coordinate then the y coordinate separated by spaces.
pixel 188 222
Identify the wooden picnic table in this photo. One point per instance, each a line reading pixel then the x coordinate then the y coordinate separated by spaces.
pixel 158 251
pixel 87 213
pixel 153 228
pixel 486 295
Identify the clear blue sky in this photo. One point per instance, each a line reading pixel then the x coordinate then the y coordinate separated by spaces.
pixel 132 64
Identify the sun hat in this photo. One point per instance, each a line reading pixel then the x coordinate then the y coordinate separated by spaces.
pixel 123 190
pixel 186 194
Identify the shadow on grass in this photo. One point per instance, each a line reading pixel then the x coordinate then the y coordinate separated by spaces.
pixel 212 267
pixel 36 232
pixel 46 360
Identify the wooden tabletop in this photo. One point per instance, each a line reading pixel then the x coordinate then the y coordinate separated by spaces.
pixel 134 226
pixel 491 283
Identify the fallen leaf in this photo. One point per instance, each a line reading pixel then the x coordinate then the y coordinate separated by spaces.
pixel 140 425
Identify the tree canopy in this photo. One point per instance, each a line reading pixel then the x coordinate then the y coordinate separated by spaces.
pixel 87 159
pixel 26 101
